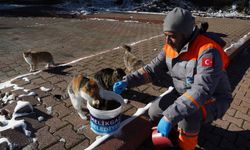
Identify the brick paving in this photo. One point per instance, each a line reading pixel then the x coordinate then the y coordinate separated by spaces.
pixel 69 39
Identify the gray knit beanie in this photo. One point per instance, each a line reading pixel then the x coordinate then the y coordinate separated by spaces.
pixel 179 20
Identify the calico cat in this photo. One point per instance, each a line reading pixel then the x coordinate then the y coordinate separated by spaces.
pixel 83 88
pixel 108 76
pixel 132 63
pixel 34 58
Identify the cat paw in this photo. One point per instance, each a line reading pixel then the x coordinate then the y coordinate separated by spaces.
pixel 84 117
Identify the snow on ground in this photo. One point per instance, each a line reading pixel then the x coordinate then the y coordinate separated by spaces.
pixel 49 110
pixel 86 7
pixel 45 89
pixel 2 140
pixel 13 123
pixel 7 97
pixel 26 79
pixel 147 6
pixel 9 83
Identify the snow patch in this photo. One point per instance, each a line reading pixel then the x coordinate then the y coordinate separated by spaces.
pixel 49 110
pixel 39 99
pixel 34 140
pixel 40 118
pixel 26 90
pixel 62 140
pixel 101 19
pixel 12 123
pixel 7 97
pixel 8 83
pixel 21 105
pixel 2 140
pixel 45 89
pixel 125 101
pixel 29 94
pixel 26 79
pixel 134 21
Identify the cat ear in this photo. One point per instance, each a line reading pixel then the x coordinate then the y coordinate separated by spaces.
pixel 119 72
pixel 126 47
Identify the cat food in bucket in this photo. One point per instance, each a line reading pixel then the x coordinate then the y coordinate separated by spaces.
pixel 106 121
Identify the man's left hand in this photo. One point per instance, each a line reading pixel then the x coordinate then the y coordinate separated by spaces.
pixel 164 126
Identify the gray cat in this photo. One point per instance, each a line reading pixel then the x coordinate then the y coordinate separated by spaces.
pixel 131 62
pixel 108 76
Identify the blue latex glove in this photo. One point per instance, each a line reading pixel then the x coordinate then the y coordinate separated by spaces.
pixel 164 127
pixel 119 86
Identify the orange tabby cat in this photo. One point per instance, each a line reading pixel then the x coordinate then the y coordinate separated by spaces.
pixel 84 88
pixel 131 62
pixel 34 58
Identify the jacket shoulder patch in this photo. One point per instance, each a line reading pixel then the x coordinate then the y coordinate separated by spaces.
pixel 207 62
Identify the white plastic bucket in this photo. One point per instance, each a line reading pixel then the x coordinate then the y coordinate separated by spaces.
pixel 106 121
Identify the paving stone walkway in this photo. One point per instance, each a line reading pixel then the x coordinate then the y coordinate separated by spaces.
pixel 97 43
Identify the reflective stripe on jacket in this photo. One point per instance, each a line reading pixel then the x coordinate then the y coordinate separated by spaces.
pixel 198 73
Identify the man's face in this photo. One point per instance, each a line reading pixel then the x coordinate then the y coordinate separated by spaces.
pixel 175 40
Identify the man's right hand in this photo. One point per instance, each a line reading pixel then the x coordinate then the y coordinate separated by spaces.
pixel 119 86
pixel 164 126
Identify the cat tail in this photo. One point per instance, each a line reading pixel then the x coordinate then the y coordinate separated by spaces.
pixel 60 97
pixel 126 47
pixel 64 95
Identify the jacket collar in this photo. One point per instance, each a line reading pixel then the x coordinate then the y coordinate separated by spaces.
pixel 193 36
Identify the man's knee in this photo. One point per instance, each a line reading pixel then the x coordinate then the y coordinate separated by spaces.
pixel 158 106
pixel 154 114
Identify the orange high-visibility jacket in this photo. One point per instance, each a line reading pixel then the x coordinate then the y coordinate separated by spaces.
pixel 198 74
